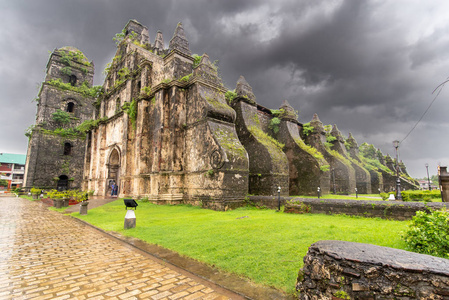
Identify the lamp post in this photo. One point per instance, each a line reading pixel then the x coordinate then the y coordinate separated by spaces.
pixel 279 198
pixel 428 178
pixel 398 181
pixel 333 179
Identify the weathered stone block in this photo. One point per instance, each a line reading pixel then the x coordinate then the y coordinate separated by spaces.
pixel 385 273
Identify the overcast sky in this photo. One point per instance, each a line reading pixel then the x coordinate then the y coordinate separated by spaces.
pixel 367 66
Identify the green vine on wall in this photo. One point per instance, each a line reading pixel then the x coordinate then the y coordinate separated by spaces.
pixel 68 56
pixel 62 117
pixel 130 108
pixel 83 89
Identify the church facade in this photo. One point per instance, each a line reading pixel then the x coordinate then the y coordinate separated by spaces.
pixel 165 127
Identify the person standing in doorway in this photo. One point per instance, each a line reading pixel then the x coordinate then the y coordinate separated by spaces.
pixel 112 188
pixel 115 190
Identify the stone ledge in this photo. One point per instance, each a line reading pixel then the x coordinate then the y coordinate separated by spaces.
pixel 362 271
pixel 397 210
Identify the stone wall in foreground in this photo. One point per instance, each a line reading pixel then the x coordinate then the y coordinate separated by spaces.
pixel 345 270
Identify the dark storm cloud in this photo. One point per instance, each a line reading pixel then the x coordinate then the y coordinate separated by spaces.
pixel 367 66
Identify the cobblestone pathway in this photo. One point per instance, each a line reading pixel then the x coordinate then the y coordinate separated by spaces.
pixel 45 255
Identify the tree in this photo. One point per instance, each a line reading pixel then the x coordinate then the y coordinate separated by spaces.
pixel 3 182
pixel 434 180
pixel 368 151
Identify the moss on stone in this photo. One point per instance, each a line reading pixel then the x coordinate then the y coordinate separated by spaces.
pixel 217 104
pixel 340 157
pixel 309 149
pixel 272 145
pixel 228 140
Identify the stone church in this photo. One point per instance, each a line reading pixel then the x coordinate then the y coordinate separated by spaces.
pixel 163 126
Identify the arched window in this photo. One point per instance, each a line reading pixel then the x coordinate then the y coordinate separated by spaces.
pixel 67 149
pixel 72 80
pixel 70 107
pixel 63 183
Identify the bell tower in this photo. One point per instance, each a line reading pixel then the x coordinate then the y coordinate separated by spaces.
pixel 55 153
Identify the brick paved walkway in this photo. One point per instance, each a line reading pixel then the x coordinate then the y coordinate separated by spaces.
pixel 45 255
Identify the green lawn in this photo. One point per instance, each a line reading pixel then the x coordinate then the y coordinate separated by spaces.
pixel 263 245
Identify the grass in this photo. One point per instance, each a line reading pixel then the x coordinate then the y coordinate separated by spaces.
pixel 61 210
pixel 28 197
pixel 262 245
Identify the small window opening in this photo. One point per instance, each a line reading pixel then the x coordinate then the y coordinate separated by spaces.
pixel 117 105
pixel 70 107
pixel 67 148
pixel 139 86
pixel 72 80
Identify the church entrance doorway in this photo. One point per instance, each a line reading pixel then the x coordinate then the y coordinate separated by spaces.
pixel 113 172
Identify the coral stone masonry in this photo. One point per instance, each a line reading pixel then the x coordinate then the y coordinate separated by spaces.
pixel 164 126
pixel 345 270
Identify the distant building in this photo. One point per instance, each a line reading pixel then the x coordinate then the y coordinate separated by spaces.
pixel 424 185
pixel 12 168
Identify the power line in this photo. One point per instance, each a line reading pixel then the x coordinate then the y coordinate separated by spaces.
pixel 440 87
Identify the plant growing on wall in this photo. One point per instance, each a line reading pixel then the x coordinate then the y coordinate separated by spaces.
pixel 119 37
pixel 274 125
pixel 307 129
pixel 130 108
pixel 230 96
pixel 83 89
pixel 67 71
pixel 89 125
pixel 29 131
pixel 329 141
pixel 67 57
pixel 186 78
pixel 324 168
pixel 196 60
pixel 62 117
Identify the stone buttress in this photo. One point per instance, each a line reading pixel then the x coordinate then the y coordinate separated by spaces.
pixel 342 172
pixel 308 169
pixel 268 165
pixel 376 175
pixel 362 176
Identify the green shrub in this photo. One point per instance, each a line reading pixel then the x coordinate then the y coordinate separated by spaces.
pixel 429 233
pixel 35 191
pixel 421 195
pixel 385 196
